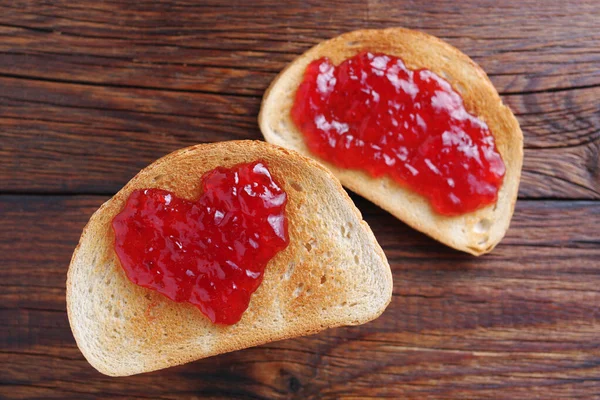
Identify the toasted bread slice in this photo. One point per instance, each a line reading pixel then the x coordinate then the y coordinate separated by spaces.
pixel 476 232
pixel 333 272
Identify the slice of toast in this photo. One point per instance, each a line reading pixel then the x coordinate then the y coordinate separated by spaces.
pixel 333 272
pixel 476 232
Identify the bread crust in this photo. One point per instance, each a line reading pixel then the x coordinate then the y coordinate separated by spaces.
pixel 333 272
pixel 476 232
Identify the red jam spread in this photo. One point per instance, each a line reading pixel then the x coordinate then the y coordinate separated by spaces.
pixel 373 113
pixel 212 251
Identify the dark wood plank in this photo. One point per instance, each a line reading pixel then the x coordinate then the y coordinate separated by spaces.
pixel 64 137
pixel 520 322
pixel 90 98
pixel 535 46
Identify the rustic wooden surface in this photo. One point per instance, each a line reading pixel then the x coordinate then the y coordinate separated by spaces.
pixel 91 91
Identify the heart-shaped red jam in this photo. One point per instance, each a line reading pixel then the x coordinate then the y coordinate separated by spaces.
pixel 211 252
pixel 373 113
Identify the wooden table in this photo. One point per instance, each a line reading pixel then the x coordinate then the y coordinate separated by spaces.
pixel 92 91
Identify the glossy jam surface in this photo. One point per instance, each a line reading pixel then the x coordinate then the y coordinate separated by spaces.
pixel 373 113
pixel 212 251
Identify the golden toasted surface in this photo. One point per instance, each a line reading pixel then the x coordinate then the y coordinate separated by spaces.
pixel 476 232
pixel 332 273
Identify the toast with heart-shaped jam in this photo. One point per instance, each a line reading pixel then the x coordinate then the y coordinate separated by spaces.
pixel 219 247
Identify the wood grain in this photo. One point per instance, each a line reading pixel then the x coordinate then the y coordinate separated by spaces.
pixel 91 92
pixel 523 319
pixel 93 139
pixel 104 96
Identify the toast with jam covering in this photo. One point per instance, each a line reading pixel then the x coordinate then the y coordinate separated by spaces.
pixel 332 273
pixel 476 232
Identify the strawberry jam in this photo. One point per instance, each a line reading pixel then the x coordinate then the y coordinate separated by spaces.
pixel 373 113
pixel 212 251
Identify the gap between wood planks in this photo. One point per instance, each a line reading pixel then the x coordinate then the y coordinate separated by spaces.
pixel 122 86
pixel 245 95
